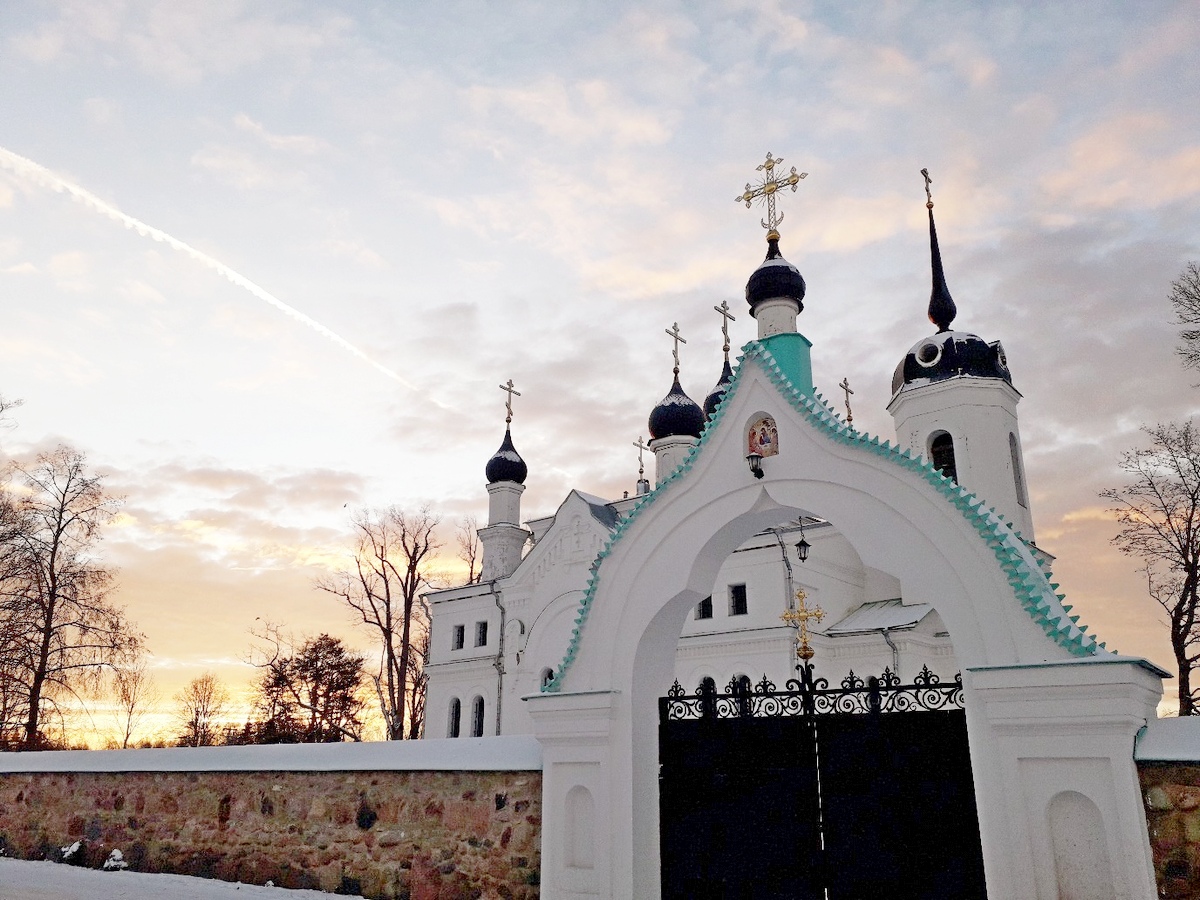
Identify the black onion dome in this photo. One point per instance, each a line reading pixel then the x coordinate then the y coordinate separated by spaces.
pixel 676 415
pixel 776 277
pixel 717 393
pixel 506 464
pixel 949 354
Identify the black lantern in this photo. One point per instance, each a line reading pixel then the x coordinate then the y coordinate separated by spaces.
pixel 803 546
pixel 755 461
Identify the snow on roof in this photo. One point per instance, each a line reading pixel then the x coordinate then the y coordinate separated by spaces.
pixel 508 753
pixel 601 511
pixel 890 614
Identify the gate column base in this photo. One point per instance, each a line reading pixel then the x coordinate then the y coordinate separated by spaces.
pixel 1060 810
pixel 575 730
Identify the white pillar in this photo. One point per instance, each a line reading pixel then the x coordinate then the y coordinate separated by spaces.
pixel 1055 780
pixel 503 539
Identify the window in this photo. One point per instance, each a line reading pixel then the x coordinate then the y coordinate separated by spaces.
pixel 455 725
pixel 737 600
pixel 941 453
pixel 477 717
pixel 704 608
pixel 460 637
pixel 1018 475
pixel 481 634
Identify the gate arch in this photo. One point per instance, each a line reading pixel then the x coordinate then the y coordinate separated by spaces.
pixel 665 556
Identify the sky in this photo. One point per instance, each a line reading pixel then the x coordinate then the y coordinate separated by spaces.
pixel 266 264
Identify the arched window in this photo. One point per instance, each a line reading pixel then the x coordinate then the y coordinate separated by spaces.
pixel 1018 475
pixel 477 717
pixel 454 727
pixel 941 454
pixel 708 697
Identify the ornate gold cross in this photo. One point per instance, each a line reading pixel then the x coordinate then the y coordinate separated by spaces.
pixel 845 386
pixel 512 392
pixel 726 318
pixel 928 196
pixel 673 331
pixel 641 446
pixel 766 190
pixel 799 618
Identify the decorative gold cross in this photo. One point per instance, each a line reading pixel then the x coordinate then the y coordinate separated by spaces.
pixel 845 386
pixel 673 332
pixel 726 318
pixel 766 190
pixel 641 446
pixel 512 392
pixel 798 618
pixel 928 196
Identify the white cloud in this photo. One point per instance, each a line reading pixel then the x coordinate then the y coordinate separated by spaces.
pixel 243 170
pixel 297 143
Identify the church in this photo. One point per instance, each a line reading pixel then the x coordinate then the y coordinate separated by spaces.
pixel 953 403
pixel 806 661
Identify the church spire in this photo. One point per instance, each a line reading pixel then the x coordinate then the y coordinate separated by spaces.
pixel 941 305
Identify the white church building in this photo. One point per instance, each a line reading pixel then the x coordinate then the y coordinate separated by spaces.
pixel 768 510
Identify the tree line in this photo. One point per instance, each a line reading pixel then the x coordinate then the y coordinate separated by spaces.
pixel 65 643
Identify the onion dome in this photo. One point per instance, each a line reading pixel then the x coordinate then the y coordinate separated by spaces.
pixel 949 354
pixel 506 463
pixel 718 393
pixel 776 277
pixel 676 415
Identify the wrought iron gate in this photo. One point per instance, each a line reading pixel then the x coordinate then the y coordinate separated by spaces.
pixel 862 791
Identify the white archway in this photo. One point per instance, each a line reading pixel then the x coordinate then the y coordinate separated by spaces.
pixel 984 582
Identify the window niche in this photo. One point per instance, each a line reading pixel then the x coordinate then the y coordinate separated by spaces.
pixel 738 605
pixel 941 454
pixel 458 639
pixel 704 609
pixel 454 725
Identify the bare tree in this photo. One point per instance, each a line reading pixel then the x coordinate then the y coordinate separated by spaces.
pixel 1185 299
pixel 60 632
pixel 1159 515
pixel 200 707
pixel 383 590
pixel 136 697
pixel 469 549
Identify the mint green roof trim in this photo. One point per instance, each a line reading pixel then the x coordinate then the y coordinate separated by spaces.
pixel 791 352
pixel 1029 581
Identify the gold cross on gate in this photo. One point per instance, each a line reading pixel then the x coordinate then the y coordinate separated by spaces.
pixel 641 446
pixel 726 318
pixel 845 386
pixel 512 392
pixel 799 618
pixel 766 190
pixel 673 332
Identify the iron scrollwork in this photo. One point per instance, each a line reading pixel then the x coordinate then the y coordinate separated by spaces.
pixel 810 695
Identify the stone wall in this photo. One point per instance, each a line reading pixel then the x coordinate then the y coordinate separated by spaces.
pixel 416 834
pixel 1171 792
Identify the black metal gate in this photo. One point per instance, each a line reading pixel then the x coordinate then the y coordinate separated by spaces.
pixel 851 793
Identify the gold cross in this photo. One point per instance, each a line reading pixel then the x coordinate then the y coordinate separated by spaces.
pixel 673 331
pixel 928 196
pixel 641 446
pixel 767 189
pixel 845 386
pixel 726 318
pixel 512 392
pixel 798 618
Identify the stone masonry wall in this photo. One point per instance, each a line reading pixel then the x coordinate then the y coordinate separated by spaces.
pixel 1171 793
pixel 393 835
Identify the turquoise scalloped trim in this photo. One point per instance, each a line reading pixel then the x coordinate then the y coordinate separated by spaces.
pixel 1030 583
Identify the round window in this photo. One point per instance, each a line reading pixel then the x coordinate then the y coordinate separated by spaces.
pixel 928 354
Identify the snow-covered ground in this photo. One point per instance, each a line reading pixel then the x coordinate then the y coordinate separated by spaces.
pixel 22 880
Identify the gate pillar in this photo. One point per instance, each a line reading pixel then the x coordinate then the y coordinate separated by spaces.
pixel 579 805
pixel 1060 810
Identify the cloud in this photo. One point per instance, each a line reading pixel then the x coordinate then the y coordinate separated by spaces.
pixel 244 171
pixel 294 143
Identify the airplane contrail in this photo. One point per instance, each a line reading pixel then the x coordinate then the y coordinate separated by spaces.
pixel 31 171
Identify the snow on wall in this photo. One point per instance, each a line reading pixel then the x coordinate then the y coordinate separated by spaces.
pixel 517 753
